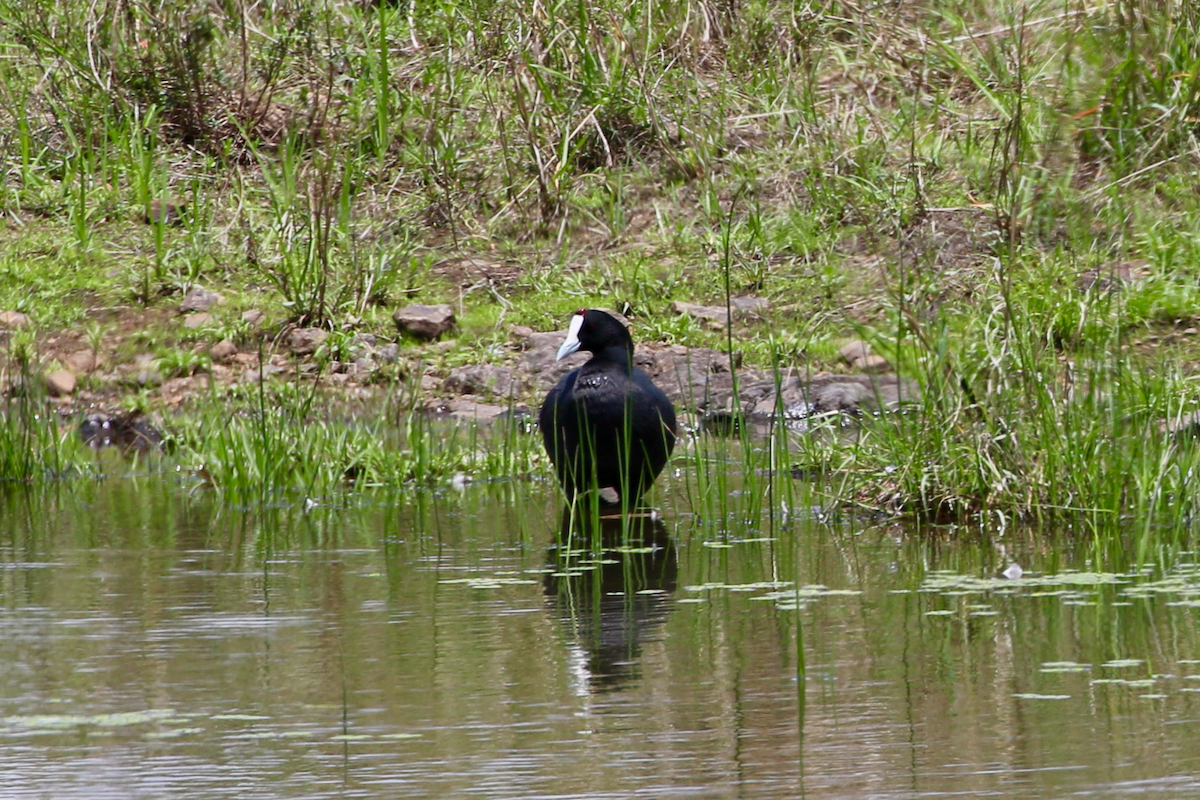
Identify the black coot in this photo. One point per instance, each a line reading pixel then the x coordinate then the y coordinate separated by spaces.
pixel 606 425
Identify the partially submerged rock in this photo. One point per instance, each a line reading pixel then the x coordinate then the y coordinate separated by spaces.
pixel 126 431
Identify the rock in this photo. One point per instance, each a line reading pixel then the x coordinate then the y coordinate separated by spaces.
pixel 1185 426
pixel 425 322
pixel 1113 277
pixel 697 378
pixel 169 212
pixel 470 410
pixel 149 377
pixel 750 307
pixel 223 350
pixel 175 390
pixel 361 346
pixel 550 340
pixel 60 383
pixel 254 317
pixel 540 352
pixel 389 353
pixel 256 375
pixel 81 362
pixel 858 355
pixel 13 320
pixel 363 366
pixel 244 359
pixel 484 379
pixel 874 363
pixel 744 308
pixel 702 313
pixel 847 394
pixel 194 321
pixel 520 333
pixel 303 341
pixel 854 351
pixel 198 299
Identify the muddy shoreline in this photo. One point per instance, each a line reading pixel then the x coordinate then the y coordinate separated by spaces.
pixel 79 381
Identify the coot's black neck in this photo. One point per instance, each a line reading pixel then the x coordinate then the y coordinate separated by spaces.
pixel 619 353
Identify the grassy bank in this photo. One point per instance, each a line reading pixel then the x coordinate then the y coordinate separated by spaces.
pixel 999 197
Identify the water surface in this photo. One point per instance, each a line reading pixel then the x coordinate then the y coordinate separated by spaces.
pixel 156 643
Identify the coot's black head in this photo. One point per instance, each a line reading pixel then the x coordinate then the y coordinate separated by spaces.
pixel 596 332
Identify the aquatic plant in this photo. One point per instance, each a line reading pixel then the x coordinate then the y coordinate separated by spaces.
pixel 289 444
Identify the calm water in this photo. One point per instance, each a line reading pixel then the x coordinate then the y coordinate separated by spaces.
pixel 156 644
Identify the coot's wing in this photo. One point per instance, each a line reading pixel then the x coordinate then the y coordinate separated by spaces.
pixel 559 426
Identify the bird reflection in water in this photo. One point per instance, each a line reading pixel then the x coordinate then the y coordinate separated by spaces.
pixel 610 581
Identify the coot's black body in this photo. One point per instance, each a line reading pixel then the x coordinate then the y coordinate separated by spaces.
pixel 606 425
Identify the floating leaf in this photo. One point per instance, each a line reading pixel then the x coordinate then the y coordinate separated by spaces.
pixel 1139 682
pixel 119 719
pixel 490 582
pixel 955 583
pixel 240 717
pixel 1122 663
pixel 738 587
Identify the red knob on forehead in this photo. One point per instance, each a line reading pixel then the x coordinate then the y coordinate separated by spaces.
pixel 581 312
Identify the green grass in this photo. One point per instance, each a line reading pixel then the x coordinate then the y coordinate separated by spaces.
pixel 285 444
